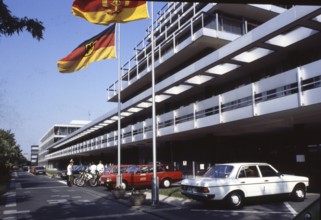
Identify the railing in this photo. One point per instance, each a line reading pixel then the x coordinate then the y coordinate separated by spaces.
pixel 304 83
pixel 140 62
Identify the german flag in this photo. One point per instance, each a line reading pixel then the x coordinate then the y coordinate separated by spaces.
pixel 101 46
pixel 110 11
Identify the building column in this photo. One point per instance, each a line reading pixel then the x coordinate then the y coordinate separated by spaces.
pixel 300 148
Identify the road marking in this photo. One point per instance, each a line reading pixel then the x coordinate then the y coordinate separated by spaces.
pixel 14 211
pixel 107 216
pixel 56 201
pixel 64 182
pixel 10 218
pixel 240 211
pixel 13 204
pixel 290 208
pixel 48 187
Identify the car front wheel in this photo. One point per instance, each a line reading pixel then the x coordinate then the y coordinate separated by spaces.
pixel 166 183
pixel 235 200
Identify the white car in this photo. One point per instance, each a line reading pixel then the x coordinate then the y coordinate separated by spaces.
pixel 233 182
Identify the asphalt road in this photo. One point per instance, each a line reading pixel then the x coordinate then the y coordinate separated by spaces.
pixel 41 197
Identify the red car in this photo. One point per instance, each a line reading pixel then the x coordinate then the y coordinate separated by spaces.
pixel 112 170
pixel 141 176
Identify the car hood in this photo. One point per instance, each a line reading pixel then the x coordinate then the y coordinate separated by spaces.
pixel 289 177
pixel 206 181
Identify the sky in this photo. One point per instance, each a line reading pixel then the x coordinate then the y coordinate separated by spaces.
pixel 33 94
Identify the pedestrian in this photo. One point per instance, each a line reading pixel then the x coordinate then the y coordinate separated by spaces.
pixel 70 177
pixel 100 168
pixel 93 168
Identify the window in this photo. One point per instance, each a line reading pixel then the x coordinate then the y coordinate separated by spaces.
pixel 219 171
pixel 267 171
pixel 248 172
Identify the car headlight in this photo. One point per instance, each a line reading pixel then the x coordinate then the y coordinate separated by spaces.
pixel 108 180
pixel 184 187
pixel 202 189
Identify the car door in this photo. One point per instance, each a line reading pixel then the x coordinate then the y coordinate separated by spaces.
pixel 141 178
pixel 250 180
pixel 273 182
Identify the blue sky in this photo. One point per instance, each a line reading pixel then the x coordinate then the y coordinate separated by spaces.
pixel 33 94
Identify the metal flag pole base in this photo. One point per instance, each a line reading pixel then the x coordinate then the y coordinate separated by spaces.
pixel 119 181
pixel 155 194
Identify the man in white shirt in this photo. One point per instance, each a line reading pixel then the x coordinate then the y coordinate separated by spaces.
pixel 70 177
pixel 93 168
pixel 100 168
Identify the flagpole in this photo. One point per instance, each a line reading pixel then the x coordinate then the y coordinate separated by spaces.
pixel 155 185
pixel 119 178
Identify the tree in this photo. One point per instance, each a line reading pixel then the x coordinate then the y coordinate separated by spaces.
pixel 10 24
pixel 10 152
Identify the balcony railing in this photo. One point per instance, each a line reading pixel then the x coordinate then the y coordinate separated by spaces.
pixel 292 89
pixel 172 40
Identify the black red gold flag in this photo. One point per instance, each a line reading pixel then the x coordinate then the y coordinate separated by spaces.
pixel 101 46
pixel 110 11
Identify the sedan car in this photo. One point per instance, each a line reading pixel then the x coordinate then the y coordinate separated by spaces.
pixel 39 170
pixel 111 170
pixel 233 182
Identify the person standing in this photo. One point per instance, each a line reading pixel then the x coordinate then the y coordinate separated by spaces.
pixel 70 177
pixel 93 168
pixel 100 168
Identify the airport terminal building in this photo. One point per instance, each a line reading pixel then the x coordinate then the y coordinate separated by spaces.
pixel 233 82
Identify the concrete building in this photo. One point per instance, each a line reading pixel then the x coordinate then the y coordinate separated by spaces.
pixel 34 150
pixel 233 82
pixel 54 134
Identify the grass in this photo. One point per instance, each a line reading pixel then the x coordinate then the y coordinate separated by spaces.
pixel 172 192
pixel 52 171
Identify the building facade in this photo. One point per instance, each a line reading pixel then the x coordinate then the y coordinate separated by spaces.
pixel 34 150
pixel 54 134
pixel 229 86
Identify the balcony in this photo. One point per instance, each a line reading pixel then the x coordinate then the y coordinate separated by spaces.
pixel 279 94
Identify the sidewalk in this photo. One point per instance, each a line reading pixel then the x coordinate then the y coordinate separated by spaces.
pixel 164 201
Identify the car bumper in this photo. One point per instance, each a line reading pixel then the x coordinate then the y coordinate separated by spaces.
pixel 198 196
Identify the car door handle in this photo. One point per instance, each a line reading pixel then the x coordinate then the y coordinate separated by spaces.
pixel 266 180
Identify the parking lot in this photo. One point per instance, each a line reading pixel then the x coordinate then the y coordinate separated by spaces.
pixel 39 197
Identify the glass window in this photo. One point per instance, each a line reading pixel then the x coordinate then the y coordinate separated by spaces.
pixel 248 172
pixel 267 171
pixel 219 171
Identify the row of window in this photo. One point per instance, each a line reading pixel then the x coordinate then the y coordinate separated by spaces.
pixel 311 83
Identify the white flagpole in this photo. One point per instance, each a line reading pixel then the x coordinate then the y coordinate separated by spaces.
pixel 155 185
pixel 119 178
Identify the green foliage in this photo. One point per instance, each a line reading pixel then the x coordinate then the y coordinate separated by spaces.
pixel 10 24
pixel 10 153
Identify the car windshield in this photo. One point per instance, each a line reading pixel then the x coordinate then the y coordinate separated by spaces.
pixel 132 169
pixel 107 169
pixel 219 171
pixel 40 168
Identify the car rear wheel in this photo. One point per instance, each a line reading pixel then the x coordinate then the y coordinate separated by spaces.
pixel 298 193
pixel 235 200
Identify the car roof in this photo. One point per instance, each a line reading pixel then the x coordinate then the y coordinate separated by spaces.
pixel 243 163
